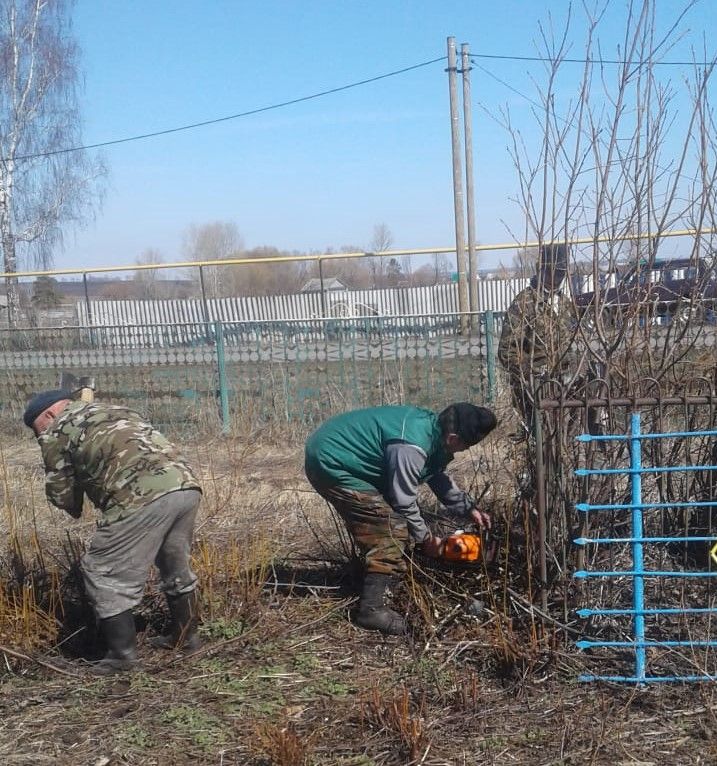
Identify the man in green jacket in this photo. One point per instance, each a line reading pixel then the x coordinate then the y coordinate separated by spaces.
pixel 369 463
pixel 147 496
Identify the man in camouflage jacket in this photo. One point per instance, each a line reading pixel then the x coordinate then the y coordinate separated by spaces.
pixel 538 330
pixel 147 497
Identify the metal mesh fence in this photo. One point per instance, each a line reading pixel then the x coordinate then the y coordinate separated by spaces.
pixel 269 372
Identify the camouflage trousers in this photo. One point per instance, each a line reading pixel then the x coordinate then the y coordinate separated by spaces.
pixel 117 563
pixel 380 534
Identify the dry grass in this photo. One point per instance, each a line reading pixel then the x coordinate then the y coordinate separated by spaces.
pixel 286 680
pixel 282 745
pixel 401 717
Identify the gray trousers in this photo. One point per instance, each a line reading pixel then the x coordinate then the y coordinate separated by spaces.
pixel 116 566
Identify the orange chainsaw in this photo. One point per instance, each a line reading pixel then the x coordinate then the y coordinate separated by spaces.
pixel 462 551
pixel 462 546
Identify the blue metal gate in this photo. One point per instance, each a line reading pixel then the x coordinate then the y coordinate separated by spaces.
pixel 640 614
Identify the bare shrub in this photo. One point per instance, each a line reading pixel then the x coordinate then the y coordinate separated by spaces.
pixel 624 154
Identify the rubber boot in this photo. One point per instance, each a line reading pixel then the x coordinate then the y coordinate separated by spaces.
pixel 183 624
pixel 373 613
pixel 121 639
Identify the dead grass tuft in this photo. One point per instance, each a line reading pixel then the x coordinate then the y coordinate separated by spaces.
pixel 232 574
pixel 282 744
pixel 401 716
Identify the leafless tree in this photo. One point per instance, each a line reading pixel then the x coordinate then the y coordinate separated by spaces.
pixel 524 262
pixel 440 268
pixel 381 241
pixel 628 156
pixel 619 160
pixel 214 241
pixel 42 186
pixel 148 281
pixel 407 269
pixel 273 278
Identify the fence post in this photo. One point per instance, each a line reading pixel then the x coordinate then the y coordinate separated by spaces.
pixel 540 496
pixel 222 375
pixel 321 286
pixel 638 594
pixel 205 304
pixel 382 370
pixel 88 308
pixel 490 353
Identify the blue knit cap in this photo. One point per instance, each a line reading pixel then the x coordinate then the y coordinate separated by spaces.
pixel 40 402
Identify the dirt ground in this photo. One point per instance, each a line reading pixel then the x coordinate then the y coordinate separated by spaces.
pixel 285 679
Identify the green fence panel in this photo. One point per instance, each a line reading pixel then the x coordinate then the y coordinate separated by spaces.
pixel 256 373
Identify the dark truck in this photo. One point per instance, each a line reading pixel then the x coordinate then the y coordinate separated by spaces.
pixel 658 292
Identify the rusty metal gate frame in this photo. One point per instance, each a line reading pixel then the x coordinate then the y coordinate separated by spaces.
pixel 551 403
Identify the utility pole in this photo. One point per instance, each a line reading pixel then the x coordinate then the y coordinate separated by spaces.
pixel 457 187
pixel 470 207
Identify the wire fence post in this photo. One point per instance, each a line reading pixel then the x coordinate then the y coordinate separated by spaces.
pixel 222 377
pixel 638 593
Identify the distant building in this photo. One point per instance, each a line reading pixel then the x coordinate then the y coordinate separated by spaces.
pixel 330 283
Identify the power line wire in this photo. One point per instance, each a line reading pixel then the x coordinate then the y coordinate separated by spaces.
pixel 547 59
pixel 330 91
pixel 216 120
pixel 507 85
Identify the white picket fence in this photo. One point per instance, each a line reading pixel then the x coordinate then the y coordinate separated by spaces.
pixel 494 295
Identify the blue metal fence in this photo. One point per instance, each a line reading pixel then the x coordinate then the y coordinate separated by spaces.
pixel 637 507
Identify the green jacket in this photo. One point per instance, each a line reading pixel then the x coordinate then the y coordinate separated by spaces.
pixel 349 450
pixel 114 456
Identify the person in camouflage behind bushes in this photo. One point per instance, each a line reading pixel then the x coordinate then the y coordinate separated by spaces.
pixel 368 464
pixel 537 333
pixel 147 497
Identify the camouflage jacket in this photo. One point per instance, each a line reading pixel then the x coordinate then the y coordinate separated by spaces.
pixel 114 456
pixel 537 332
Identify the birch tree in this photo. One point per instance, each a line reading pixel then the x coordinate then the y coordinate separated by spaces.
pixel 43 187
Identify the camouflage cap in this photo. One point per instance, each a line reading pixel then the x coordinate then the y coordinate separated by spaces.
pixel 40 402
pixel 553 255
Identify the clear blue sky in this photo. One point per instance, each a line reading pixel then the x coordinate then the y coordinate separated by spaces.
pixel 317 174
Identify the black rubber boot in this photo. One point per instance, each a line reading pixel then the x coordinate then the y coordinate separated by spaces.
pixel 183 610
pixel 373 613
pixel 121 639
